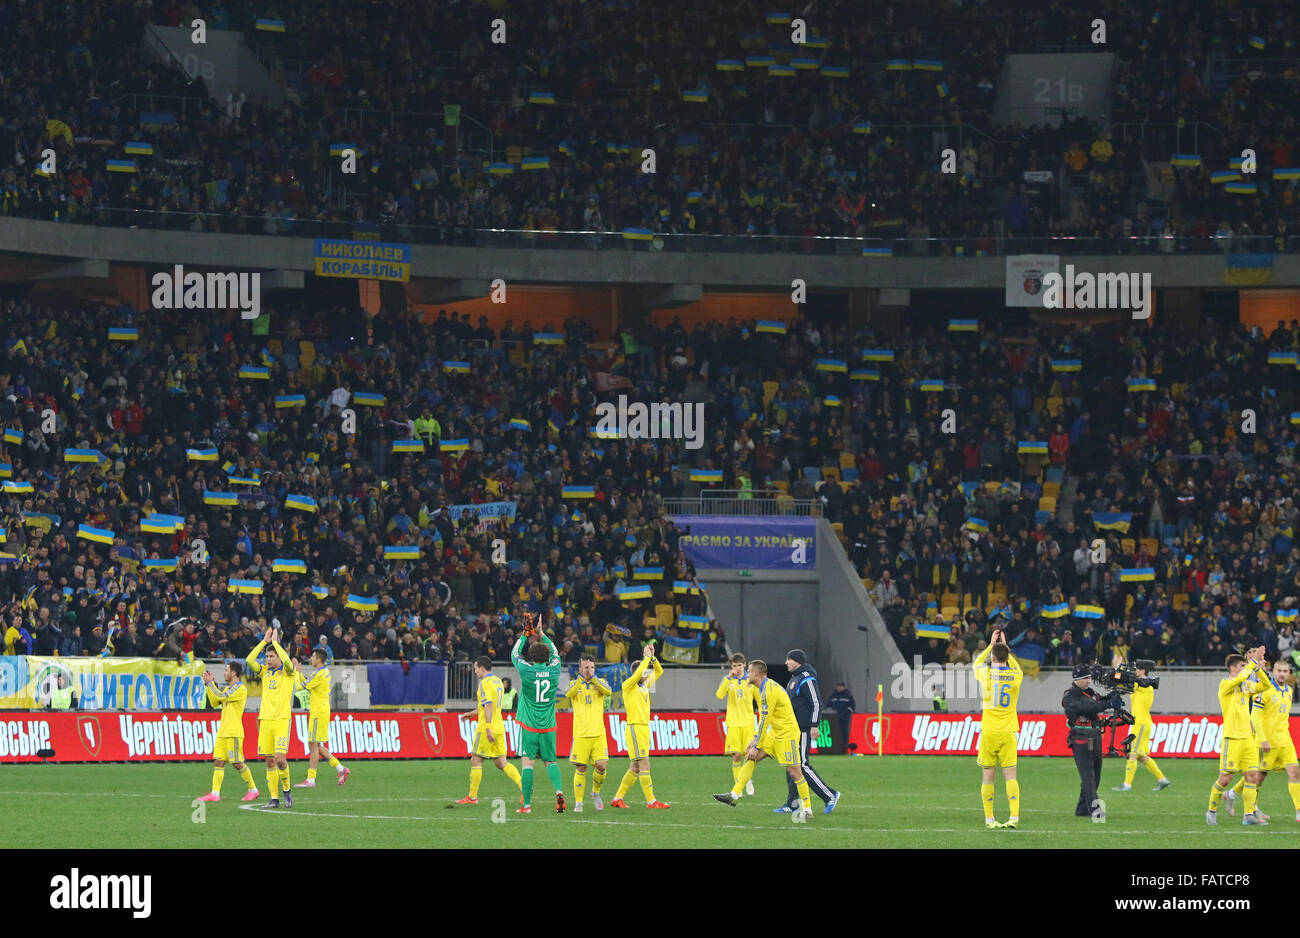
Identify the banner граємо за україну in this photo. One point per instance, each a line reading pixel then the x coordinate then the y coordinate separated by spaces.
pixel 724 542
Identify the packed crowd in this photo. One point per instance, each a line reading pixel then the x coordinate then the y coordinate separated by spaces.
pixel 763 155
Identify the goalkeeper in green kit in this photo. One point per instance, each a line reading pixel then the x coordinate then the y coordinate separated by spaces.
pixel 539 676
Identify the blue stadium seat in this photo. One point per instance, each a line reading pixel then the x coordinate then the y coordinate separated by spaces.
pixel 1056 474
pixel 1042 517
pixel 812 474
pixel 849 475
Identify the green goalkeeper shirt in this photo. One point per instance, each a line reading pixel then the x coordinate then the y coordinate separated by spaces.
pixel 539 684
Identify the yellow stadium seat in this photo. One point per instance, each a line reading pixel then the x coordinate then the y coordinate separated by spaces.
pixel 830 472
pixel 1052 489
pixel 838 527
pixel 868 584
pixel 781 486
pixel 1180 601
pixel 950 612
pixel 1150 545
pixel 848 461
pixel 948 599
pixel 1047 504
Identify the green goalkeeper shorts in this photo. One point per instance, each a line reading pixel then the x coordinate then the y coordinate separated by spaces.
pixel 537 745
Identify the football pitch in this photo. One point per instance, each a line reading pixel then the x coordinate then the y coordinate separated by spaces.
pixel 890 802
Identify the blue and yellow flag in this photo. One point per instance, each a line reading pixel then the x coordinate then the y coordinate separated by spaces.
pixel 1137 574
pixel 362 603
pixel 1112 520
pixel 250 587
pixel 300 502
pixel 578 491
pixel 288 565
pixel 927 630
pixel 98 535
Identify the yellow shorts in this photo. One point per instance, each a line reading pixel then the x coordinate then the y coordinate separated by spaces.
pixel 638 740
pixel 490 749
pixel 1279 756
pixel 228 749
pixel 1142 744
pixel 273 737
pixel 738 739
pixel 588 750
pixel 997 748
pixel 318 727
pixel 1239 755
pixel 784 749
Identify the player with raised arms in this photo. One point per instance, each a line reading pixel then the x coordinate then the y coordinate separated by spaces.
pixel 636 701
pixel 999 684
pixel 229 746
pixel 273 717
pixel 1240 747
pixel 1272 717
pixel 539 678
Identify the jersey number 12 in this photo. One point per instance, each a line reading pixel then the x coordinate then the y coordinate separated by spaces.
pixel 543 691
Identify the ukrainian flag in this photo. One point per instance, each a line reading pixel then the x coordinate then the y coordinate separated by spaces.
pixel 138 148
pixel 123 334
pixel 638 234
pixel 1141 384
pixel 927 65
pixel 362 603
pixel 693 197
pixel 684 588
pixel 1090 612
pixel 925 630
pixel 599 434
pixel 862 127
pixel 1031 447
pixel 693 622
pixel 706 475
pixel 269 25
pixel 202 455
pixel 831 401
pixel 625 593
pixel 535 162
pixel 759 61
pixel 171 563
pixel 408 446
pixel 963 325
pixel 931 384
pixel 243 480
pixel 6 470
pixel 455 368
pixel 804 64
pixel 977 524
pixel 290 400
pixel 253 587
pixel 368 399
pixel 82 455
pixel 770 327
pixel 550 338
pixel 696 96
pixel 832 364
pixel 300 502
pixel 284 565
pixel 402 552
pixel 877 252
pixel 98 535
pixel 541 97
pixel 1283 174
pixel 578 491
pixel 13 436
pixel 1241 188
pixel 256 373
pixel 1257 42
pixel 1137 574
pixel 942 88
pixel 162 524
pixel 781 71
pixel 1287 615
pixel 777 19
pixel 835 71
pixel 500 169
pixel 1067 364
pixel 1112 520
pixel 454 446
pixel 1295 416
pixel 1185 159
pixel 730 65
pixel 898 65
pixel 1247 269
pixel 520 424
pixel 120 166
pixel 865 374
pixel 1055 611
pixel 220 498
pixel 878 355
pixel 336 149
pixel 1282 358
pixel 817 42
pixel 1227 175
pixel 320 592
pixel 648 573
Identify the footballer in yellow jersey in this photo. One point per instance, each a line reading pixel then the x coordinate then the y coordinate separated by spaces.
pixel 1271 715
pixel 999 684
pixel 1140 752
pixel 776 737
pixel 490 736
pixel 636 701
pixel 1246 677
pixel 229 746
pixel 277 677
pixel 741 697
pixel 587 694
pixel 317 688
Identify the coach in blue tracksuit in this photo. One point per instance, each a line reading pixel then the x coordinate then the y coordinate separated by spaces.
pixel 806 699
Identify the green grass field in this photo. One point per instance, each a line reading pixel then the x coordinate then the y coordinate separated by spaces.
pixel 895 801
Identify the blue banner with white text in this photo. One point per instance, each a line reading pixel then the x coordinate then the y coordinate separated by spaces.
pixel 721 542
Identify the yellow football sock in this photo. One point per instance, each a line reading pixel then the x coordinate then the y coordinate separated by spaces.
pixel 311 774
pixel 475 778
pixel 647 787
pixel 513 774
pixel 247 775
pixel 284 778
pixel 1294 789
pixel 1241 783
pixel 986 795
pixel 579 786
pixel 1130 769
pixel 217 776
pixel 804 796
pixel 334 762
pixel 735 771
pixel 629 779
pixel 1013 797
pixel 1251 793
pixel 1215 794
pixel 273 782
pixel 743 777
pixel 596 781
pixel 1153 768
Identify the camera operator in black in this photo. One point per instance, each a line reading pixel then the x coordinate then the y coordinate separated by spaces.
pixel 1083 708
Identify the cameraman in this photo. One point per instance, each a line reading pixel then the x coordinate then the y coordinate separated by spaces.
pixel 1083 711
pixel 1144 695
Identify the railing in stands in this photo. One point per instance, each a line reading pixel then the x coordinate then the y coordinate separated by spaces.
pixel 732 502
